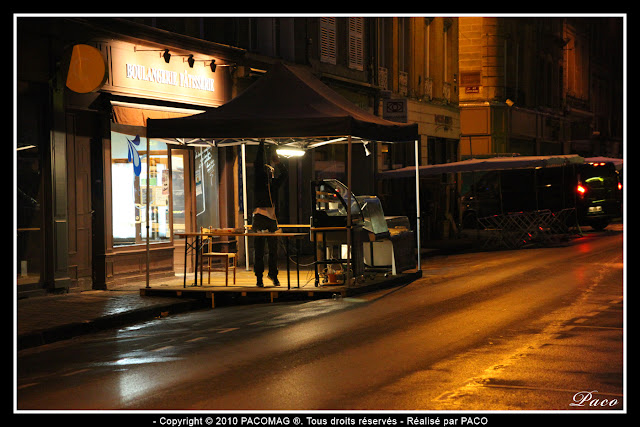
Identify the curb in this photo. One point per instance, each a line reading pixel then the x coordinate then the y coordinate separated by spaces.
pixel 71 330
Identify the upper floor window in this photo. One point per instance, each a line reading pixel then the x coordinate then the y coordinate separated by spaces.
pixel 356 43
pixel 328 40
pixel 577 61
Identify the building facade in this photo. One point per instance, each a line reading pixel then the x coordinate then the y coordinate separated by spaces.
pixel 538 86
pixel 593 89
pixel 86 171
pixel 417 64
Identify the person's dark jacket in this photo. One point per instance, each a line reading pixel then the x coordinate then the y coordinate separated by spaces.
pixel 263 178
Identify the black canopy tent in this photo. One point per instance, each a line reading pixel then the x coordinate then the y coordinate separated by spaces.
pixel 288 106
pixel 288 102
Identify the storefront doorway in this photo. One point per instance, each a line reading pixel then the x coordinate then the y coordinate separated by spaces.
pixel 79 126
pixel 181 196
pixel 194 194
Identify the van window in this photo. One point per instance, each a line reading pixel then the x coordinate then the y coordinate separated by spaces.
pixel 599 176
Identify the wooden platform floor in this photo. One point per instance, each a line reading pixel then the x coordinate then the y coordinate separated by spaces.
pixel 245 291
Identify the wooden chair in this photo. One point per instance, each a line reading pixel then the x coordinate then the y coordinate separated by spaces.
pixel 227 259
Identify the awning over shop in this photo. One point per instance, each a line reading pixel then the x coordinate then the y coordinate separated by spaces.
pixel 493 163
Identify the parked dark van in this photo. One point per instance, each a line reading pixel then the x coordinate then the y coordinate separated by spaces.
pixel 599 194
pixel 594 189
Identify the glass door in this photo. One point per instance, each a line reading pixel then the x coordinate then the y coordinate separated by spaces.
pixel 181 211
pixel 194 190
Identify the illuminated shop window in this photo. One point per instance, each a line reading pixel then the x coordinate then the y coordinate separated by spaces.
pixel 129 161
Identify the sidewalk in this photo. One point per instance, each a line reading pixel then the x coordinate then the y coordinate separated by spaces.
pixel 46 319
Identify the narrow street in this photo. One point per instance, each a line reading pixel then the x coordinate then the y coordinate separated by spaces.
pixel 528 329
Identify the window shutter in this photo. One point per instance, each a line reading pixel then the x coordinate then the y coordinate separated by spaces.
pixel 328 40
pixel 356 43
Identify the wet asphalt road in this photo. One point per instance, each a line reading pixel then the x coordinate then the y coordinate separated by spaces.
pixel 515 330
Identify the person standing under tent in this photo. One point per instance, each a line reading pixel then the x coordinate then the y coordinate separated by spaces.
pixel 264 218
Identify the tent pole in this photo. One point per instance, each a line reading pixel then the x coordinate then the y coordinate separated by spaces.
pixel 500 189
pixel 147 202
pixel 244 205
pixel 348 275
pixel 418 204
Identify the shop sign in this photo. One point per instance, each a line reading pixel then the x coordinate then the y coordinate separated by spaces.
pixel 395 110
pixel 471 81
pixel 159 76
pixel 442 120
pixel 87 70
pixel 136 72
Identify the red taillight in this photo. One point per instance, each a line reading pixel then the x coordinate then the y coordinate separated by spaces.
pixel 581 190
pixel 619 186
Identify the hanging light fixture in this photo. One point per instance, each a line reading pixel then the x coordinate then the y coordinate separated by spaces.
pixel 191 60
pixel 290 152
pixel 166 55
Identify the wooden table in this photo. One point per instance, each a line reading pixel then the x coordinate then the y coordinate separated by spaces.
pixel 197 236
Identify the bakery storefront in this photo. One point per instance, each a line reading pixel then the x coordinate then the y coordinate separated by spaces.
pixel 85 170
pixel 176 182
pixel 182 189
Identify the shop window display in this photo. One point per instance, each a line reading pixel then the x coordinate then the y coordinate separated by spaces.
pixel 129 162
pixel 29 183
pixel 28 214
